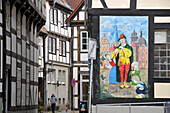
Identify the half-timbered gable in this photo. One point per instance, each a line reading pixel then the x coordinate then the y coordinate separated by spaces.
pixel 79 55
pixel 21 22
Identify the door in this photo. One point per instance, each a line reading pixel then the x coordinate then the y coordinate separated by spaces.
pixel 84 87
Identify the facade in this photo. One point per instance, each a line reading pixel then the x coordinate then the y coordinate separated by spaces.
pixel 104 49
pixel 20 22
pixel 79 56
pixel 153 50
pixel 57 52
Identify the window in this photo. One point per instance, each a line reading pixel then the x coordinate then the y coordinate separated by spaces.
pixel 40 49
pixel 62 48
pixel 63 18
pixel 84 41
pixel 19 24
pixel 49 44
pixel 63 100
pixel 53 76
pixel 59 100
pixel 52 45
pixel 162 54
pixel 54 16
pixel 63 80
pixel 51 15
pixel 59 76
pixel 27 88
pixel 49 77
pixel 18 86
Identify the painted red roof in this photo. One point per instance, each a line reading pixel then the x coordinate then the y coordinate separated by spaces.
pixel 82 1
pixel 133 44
pixel 74 3
pixel 63 3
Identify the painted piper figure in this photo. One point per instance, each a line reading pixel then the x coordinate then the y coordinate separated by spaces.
pixel 123 54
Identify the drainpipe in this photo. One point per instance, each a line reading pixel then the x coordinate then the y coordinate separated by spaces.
pixel 69 74
pixel 4 54
pixel 44 74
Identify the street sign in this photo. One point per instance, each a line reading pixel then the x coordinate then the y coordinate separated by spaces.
pixel 73 82
pixel 92 48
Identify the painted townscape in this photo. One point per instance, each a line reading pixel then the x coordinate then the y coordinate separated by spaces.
pixel 124 56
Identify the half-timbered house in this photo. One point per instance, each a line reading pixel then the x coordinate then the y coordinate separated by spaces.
pixel 57 47
pixel 155 57
pixel 20 22
pixel 79 56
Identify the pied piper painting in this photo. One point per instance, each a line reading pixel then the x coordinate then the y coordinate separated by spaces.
pixel 124 57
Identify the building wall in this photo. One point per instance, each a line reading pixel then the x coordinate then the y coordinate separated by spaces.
pixel 21 57
pixel 57 54
pixel 80 69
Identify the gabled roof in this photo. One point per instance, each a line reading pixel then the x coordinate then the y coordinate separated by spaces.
pixel 74 3
pixel 74 13
pixel 63 3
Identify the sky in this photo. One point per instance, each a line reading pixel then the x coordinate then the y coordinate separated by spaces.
pixel 125 25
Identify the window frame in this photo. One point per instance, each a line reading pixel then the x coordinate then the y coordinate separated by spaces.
pixel 50 45
pixel 61 48
pixel 54 15
pixel 81 41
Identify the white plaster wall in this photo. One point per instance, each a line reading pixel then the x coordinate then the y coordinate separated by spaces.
pixel 76 102
pixel 112 4
pixel 0 17
pixel 1 31
pixel 75 18
pixel 75 42
pixel 75 73
pixel 153 4
pixel 81 15
pixel 84 57
pixel 84 69
pixel 75 89
pixel 61 59
pixel 75 31
pixel 50 56
pixel 68 57
pixel 67 46
pixel 8 60
pixel 75 55
pixel 161 19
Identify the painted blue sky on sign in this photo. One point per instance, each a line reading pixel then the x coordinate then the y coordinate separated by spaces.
pixel 125 25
